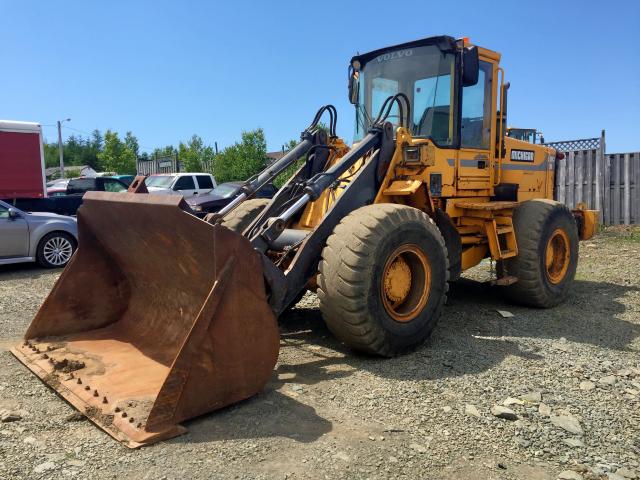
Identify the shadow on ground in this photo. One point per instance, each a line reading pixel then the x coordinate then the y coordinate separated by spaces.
pixel 21 271
pixel 471 336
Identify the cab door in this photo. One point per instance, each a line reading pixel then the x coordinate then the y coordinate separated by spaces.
pixel 14 234
pixel 186 186
pixel 475 163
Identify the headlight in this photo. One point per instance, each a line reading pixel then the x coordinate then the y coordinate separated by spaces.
pixel 196 208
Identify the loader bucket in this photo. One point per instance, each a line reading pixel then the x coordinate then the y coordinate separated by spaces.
pixel 158 318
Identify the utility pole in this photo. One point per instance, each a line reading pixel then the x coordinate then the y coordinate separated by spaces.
pixel 60 145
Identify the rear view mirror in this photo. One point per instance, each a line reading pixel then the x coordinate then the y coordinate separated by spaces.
pixel 13 213
pixel 353 85
pixel 470 66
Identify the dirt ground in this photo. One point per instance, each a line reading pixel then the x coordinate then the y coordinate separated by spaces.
pixel 571 375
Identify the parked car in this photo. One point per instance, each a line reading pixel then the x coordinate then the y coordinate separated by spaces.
pixel 185 184
pixel 126 179
pixel 46 238
pixel 222 195
pixel 68 202
pixel 95 184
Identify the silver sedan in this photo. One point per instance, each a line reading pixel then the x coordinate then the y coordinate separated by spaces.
pixel 46 238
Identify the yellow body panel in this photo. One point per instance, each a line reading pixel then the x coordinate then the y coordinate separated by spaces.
pixel 462 182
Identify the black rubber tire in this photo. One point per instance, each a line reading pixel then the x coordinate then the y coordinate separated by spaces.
pixel 245 213
pixel 40 255
pixel 534 222
pixel 351 270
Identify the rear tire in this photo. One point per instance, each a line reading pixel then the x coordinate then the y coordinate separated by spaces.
pixel 55 249
pixel 383 279
pixel 547 238
pixel 245 213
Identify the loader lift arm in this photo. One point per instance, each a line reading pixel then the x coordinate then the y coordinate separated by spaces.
pixel 311 138
pixel 268 229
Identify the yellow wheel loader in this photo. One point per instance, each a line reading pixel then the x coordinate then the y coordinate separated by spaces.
pixel 161 316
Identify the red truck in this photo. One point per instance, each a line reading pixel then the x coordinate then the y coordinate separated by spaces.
pixel 21 160
pixel 22 176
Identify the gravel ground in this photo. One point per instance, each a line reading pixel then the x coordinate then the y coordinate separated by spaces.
pixel 569 377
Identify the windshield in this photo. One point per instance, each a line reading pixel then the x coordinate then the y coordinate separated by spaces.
pixel 226 190
pixel 164 181
pixel 425 75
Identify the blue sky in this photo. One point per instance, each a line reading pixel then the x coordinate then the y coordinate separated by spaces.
pixel 166 70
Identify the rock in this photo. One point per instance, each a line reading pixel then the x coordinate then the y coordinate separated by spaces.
pixel 570 475
pixel 75 417
pixel 342 456
pixel 505 313
pixel 446 409
pixel 614 476
pixel 626 473
pixel 29 440
pixel 608 380
pixel 503 412
pixel 631 391
pixel 587 385
pixel 625 372
pixel 472 410
pixel 7 416
pixel 393 459
pixel 544 410
pixel 76 463
pixel 573 442
pixel 297 388
pixel 532 397
pixel 568 423
pixel 55 457
pixel 45 467
pixel 418 448
pixel 512 401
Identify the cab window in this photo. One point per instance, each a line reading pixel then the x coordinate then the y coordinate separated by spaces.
pixel 476 110
pixel 113 186
pixel 431 101
pixel 204 181
pixel 185 183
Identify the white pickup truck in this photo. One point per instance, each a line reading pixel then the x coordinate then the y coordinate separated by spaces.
pixel 185 184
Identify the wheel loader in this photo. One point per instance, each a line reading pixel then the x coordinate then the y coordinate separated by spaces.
pixel 161 316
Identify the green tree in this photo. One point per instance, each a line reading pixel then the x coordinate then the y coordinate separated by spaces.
pixel 195 156
pixel 116 155
pixel 131 142
pixel 242 159
pixel 164 152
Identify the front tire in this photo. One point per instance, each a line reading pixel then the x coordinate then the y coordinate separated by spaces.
pixel 382 279
pixel 547 239
pixel 55 249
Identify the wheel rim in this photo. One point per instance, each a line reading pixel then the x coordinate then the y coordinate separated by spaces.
pixel 57 251
pixel 557 256
pixel 406 280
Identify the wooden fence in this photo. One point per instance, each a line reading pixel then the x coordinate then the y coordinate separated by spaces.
pixel 165 164
pixel 609 183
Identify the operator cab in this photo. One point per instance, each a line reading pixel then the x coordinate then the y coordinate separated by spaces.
pixel 433 73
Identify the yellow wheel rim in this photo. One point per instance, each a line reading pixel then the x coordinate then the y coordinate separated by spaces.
pixel 558 253
pixel 406 280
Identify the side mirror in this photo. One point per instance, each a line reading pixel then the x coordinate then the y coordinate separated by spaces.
pixel 13 213
pixel 470 66
pixel 353 85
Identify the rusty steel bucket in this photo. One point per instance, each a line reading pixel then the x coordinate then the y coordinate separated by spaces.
pixel 159 317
